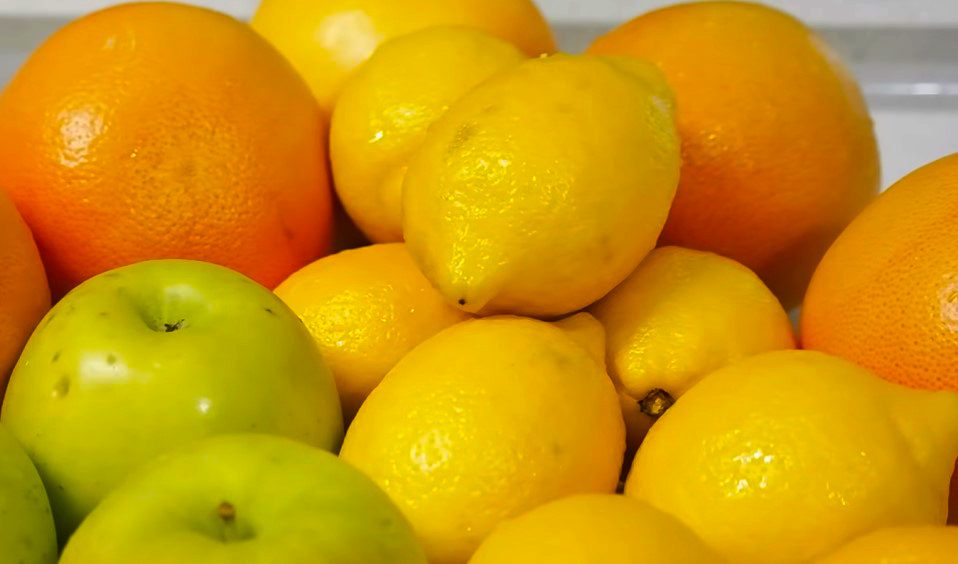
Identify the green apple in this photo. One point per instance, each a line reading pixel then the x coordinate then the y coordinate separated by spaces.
pixel 27 535
pixel 148 357
pixel 255 499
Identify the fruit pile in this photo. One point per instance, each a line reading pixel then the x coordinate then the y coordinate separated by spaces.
pixel 395 282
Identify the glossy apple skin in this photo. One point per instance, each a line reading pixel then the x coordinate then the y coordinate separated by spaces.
pixel 148 357
pixel 27 535
pixel 248 498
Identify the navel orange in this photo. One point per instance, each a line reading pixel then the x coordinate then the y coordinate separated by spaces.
pixel 778 148
pixel 23 287
pixel 886 294
pixel 160 130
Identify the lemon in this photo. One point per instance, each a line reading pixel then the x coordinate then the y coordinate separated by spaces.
pixel 486 420
pixel 583 529
pixel 783 456
pixel 681 315
pixel 386 106
pixel 545 186
pixel 900 545
pixel 326 40
pixel 366 308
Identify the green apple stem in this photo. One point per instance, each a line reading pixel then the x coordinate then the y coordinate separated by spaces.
pixel 227 514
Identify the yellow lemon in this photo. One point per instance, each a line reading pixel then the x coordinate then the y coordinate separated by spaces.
pixel 366 308
pixel 545 186
pixel 486 420
pixel 679 316
pixel 585 529
pixel 900 545
pixel 386 106
pixel 786 455
pixel 325 40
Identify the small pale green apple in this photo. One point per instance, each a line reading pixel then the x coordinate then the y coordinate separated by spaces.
pixel 255 499
pixel 148 357
pixel 27 535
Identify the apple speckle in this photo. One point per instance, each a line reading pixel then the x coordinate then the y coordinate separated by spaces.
pixel 171 327
pixel 62 387
pixel 111 359
pixel 270 311
pixel 56 356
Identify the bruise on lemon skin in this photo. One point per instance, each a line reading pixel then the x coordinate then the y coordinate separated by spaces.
pixel 462 136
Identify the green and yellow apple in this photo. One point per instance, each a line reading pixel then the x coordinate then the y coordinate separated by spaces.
pixel 256 499
pixel 148 357
pixel 27 535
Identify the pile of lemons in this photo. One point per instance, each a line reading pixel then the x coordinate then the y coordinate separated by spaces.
pixel 532 310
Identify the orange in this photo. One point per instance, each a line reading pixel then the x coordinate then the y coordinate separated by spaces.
pixel 326 40
pixel 778 148
pixel 886 294
pixel 159 130
pixel 23 286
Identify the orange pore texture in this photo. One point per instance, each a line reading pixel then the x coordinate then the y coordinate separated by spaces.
pixel 778 148
pixel 160 130
pixel 24 295
pixel 886 294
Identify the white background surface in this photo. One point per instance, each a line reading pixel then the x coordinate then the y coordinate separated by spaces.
pixel 912 129
pixel 816 12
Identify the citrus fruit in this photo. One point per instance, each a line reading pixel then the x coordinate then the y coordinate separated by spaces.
pixel 611 529
pixel 681 315
pixel 366 308
pixel 326 40
pixel 545 186
pixel 802 450
pixel 23 285
pixel 484 421
pixel 899 545
pixel 255 499
pixel 160 130
pixel 886 294
pixel 778 150
pixel 386 107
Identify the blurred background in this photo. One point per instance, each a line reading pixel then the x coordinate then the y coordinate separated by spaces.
pixel 903 52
